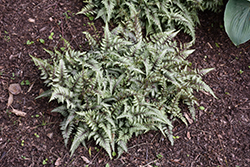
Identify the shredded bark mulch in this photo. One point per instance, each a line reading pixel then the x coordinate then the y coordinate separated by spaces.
pixel 220 136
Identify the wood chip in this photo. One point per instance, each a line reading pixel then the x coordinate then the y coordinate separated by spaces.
pixel 41 91
pixel 18 112
pixel 43 29
pixel 5 85
pixel 50 135
pixel 30 87
pixel 188 136
pixel 219 136
pixel 31 20
pixel 58 162
pixel 190 121
pixel 210 45
pixel 10 100
pixel 85 159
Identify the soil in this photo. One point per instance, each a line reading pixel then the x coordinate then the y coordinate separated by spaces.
pixel 220 136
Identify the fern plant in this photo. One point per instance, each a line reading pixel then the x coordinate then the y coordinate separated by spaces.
pixel 154 15
pixel 124 86
pixel 213 5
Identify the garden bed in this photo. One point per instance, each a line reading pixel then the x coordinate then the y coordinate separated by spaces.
pixel 220 136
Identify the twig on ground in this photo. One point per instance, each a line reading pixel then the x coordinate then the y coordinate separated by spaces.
pixel 5 154
pixel 95 156
pixel 177 162
pixel 150 163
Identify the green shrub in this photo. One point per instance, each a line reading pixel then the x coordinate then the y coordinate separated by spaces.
pixel 154 15
pixel 124 86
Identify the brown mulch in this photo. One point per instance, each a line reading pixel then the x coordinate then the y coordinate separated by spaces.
pixel 220 136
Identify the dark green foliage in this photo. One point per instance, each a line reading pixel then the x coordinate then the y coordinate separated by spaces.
pixel 213 5
pixel 125 86
pixel 154 15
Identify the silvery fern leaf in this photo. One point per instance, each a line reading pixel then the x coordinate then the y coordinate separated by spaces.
pixel 44 66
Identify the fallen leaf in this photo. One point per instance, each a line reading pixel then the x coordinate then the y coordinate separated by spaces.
pixel 85 159
pixel 15 89
pixel 188 135
pixel 18 112
pixel 58 162
pixel 190 121
pixel 10 100
pixel 31 20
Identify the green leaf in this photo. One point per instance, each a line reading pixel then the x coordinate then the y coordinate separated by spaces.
pixel 113 153
pixel 42 41
pixel 22 83
pixel 27 82
pixel 236 21
pixel 202 108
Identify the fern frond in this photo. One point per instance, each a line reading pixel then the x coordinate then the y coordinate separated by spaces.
pixel 44 66
pixel 67 127
pixel 121 147
pixel 80 137
pixel 109 6
pixel 88 9
pixel 62 110
pixel 63 95
pixel 213 5
pixel 46 93
pixel 90 39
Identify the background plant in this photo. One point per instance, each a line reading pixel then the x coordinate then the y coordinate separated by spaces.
pixel 236 20
pixel 154 15
pixel 124 86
